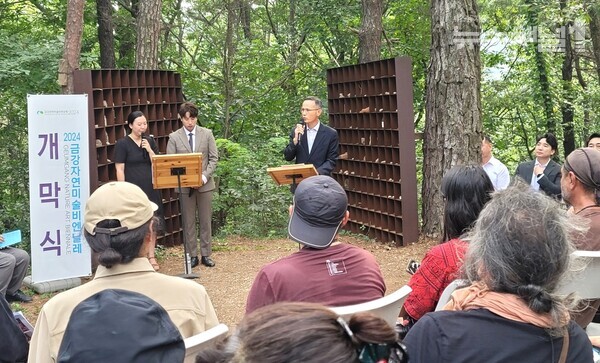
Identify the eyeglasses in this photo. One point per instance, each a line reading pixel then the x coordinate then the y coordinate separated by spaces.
pixel 308 109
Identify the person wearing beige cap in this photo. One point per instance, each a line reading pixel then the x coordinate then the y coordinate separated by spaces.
pixel 119 227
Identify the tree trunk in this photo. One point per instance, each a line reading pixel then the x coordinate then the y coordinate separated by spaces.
pixel 148 34
pixel 594 13
pixel 173 22
pixel 125 35
pixel 290 85
pixel 586 98
pixel 542 69
pixel 567 87
pixel 371 28
pixel 245 10
pixel 453 125
pixel 106 37
pixel 72 46
pixel 228 58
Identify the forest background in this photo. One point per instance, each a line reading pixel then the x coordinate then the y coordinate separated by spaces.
pixel 510 68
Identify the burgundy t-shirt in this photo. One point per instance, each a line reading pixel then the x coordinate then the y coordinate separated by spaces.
pixel 336 276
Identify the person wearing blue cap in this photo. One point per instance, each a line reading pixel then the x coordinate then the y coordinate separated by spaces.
pixel 324 270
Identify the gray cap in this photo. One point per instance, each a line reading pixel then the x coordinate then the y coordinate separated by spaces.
pixel 320 205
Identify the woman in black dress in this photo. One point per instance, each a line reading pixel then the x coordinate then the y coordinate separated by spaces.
pixel 133 161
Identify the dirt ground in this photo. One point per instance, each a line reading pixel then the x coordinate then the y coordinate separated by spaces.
pixel 238 261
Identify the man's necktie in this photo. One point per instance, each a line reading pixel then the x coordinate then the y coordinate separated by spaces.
pixel 191 141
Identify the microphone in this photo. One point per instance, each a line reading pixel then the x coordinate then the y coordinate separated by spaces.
pixel 144 152
pixel 303 124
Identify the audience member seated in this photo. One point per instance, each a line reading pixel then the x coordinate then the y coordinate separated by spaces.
pixel 13 343
pixel 543 173
pixel 466 189
pixel 325 270
pixel 13 267
pixel 148 336
pixel 119 227
pixel 306 332
pixel 580 184
pixel 519 250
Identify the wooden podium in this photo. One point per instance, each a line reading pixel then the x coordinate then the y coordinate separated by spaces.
pixel 176 171
pixel 292 174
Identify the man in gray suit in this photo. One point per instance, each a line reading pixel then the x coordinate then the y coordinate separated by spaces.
pixel 193 138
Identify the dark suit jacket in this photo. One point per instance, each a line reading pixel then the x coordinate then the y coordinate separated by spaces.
pixel 549 183
pixel 323 154
pixel 204 143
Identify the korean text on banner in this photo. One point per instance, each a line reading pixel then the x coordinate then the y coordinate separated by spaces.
pixel 58 185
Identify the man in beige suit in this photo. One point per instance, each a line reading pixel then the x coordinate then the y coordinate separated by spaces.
pixel 193 138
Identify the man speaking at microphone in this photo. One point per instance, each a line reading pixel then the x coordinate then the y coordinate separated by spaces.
pixel 311 142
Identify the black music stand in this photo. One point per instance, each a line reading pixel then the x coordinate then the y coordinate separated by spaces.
pixel 176 171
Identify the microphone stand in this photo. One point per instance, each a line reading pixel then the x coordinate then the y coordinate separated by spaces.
pixel 179 171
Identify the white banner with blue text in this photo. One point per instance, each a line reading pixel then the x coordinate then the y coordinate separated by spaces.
pixel 59 185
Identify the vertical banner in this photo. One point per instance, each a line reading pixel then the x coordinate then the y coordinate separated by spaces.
pixel 59 185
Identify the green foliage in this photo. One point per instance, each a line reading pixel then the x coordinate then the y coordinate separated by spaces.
pixel 512 99
pixel 284 59
pixel 25 68
pixel 248 202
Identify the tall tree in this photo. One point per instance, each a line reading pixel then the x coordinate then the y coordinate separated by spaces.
pixel 371 29
pixel 148 24
pixel 567 87
pixel 228 62
pixel 72 46
pixel 245 10
pixel 533 9
pixel 453 127
pixel 594 13
pixel 106 38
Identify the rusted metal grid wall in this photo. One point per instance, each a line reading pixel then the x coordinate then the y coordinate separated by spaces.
pixel 114 94
pixel 370 106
